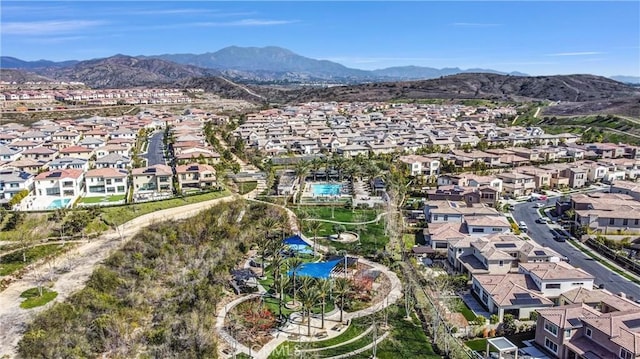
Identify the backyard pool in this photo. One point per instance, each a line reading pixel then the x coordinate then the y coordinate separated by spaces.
pixel 326 189
pixel 59 203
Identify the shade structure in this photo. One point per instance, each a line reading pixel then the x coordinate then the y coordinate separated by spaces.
pixel 294 240
pixel 315 270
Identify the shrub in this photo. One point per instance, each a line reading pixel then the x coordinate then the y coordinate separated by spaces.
pixel 533 316
pixel 493 319
pixel 481 320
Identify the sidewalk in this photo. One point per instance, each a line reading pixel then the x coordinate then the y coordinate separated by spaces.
pixel 583 247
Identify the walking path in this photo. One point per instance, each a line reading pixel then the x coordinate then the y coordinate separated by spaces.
pixel 81 264
pixel 295 330
pixel 375 220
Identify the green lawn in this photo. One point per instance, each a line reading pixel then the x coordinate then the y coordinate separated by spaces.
pixel 123 214
pixel 34 299
pixel 102 199
pixel 246 187
pixel 462 308
pixel 340 214
pixel 12 262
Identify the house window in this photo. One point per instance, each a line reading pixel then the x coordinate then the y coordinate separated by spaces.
pixel 567 333
pixel 552 286
pixel 625 354
pixel 446 217
pixel 501 263
pixel 550 327
pixel 588 332
pixel 612 220
pixel 637 221
pixel 435 217
pixel 496 229
pixel 577 283
pixel 551 345
pixel 625 222
pixel 477 230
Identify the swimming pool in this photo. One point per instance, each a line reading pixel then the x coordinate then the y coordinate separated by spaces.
pixel 59 203
pixel 326 189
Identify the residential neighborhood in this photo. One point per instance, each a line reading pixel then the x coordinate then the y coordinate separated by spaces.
pixel 466 174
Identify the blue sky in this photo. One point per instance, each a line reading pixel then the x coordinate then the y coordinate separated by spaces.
pixel 538 38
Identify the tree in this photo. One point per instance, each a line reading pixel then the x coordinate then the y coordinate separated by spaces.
pixel 308 298
pixel 294 264
pixel 341 290
pixel 314 227
pixel 509 324
pixel 324 288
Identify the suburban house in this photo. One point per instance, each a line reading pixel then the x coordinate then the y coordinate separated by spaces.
pixel 63 184
pixel 77 152
pixel 195 176
pixel 532 288
pixel 41 154
pixel 449 211
pixel 8 154
pixel 113 160
pixel 106 182
pixel 607 212
pixel 64 163
pixel 421 165
pixel 156 178
pixel 516 184
pixel 13 181
pixel 626 187
pixel 581 331
pixel 470 195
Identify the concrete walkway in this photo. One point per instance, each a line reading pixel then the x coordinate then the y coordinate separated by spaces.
pixel 295 329
pixel 473 304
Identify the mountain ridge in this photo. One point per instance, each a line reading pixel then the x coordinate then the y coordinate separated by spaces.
pixel 273 63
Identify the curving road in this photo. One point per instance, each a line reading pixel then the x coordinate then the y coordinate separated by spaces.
pixel 542 234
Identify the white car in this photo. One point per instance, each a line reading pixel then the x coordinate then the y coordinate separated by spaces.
pixel 539 205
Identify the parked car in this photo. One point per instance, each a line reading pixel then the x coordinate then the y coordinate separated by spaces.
pixel 559 238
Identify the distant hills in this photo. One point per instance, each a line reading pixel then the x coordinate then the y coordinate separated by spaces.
pixel 259 65
pixel 565 88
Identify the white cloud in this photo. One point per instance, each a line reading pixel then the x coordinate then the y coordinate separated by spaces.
pixel 47 27
pixel 245 22
pixel 474 24
pixel 579 53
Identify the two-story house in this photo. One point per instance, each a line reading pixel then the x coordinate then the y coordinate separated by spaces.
pixel 13 181
pixel 196 176
pixel 106 182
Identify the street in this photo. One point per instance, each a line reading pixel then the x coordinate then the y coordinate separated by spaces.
pixel 154 153
pixel 542 234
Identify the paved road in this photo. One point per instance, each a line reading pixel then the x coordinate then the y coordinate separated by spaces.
pixel 154 150
pixel 541 233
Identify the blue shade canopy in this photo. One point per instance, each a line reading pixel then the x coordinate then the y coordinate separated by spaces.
pixel 315 270
pixel 294 240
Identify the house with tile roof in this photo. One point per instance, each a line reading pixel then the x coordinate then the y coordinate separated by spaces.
pixel 12 181
pixel 102 182
pixel 582 331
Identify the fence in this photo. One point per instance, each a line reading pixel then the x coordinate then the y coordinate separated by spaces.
pixel 627 263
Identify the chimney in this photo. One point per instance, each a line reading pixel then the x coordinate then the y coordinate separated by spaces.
pixel 622 295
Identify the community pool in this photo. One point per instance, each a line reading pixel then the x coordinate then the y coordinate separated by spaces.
pixel 326 189
pixel 59 203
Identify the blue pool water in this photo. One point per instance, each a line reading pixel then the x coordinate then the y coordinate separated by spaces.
pixel 326 189
pixel 59 203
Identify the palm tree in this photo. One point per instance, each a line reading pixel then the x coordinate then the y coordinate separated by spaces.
pixel 314 227
pixel 341 290
pixel 315 166
pixel 294 264
pixel 267 224
pixel 338 163
pixel 301 171
pixel 308 297
pixel 323 287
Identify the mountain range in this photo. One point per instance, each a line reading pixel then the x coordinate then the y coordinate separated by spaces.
pixel 265 64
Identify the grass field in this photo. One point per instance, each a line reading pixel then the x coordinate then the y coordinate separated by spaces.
pixel 123 214
pixel 34 299
pixel 12 262
pixel 108 199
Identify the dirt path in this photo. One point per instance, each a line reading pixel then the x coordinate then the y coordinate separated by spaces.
pixel 14 320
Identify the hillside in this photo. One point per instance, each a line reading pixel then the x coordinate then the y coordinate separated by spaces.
pixel 573 88
pixel 124 71
pixel 19 76
pixel 8 62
